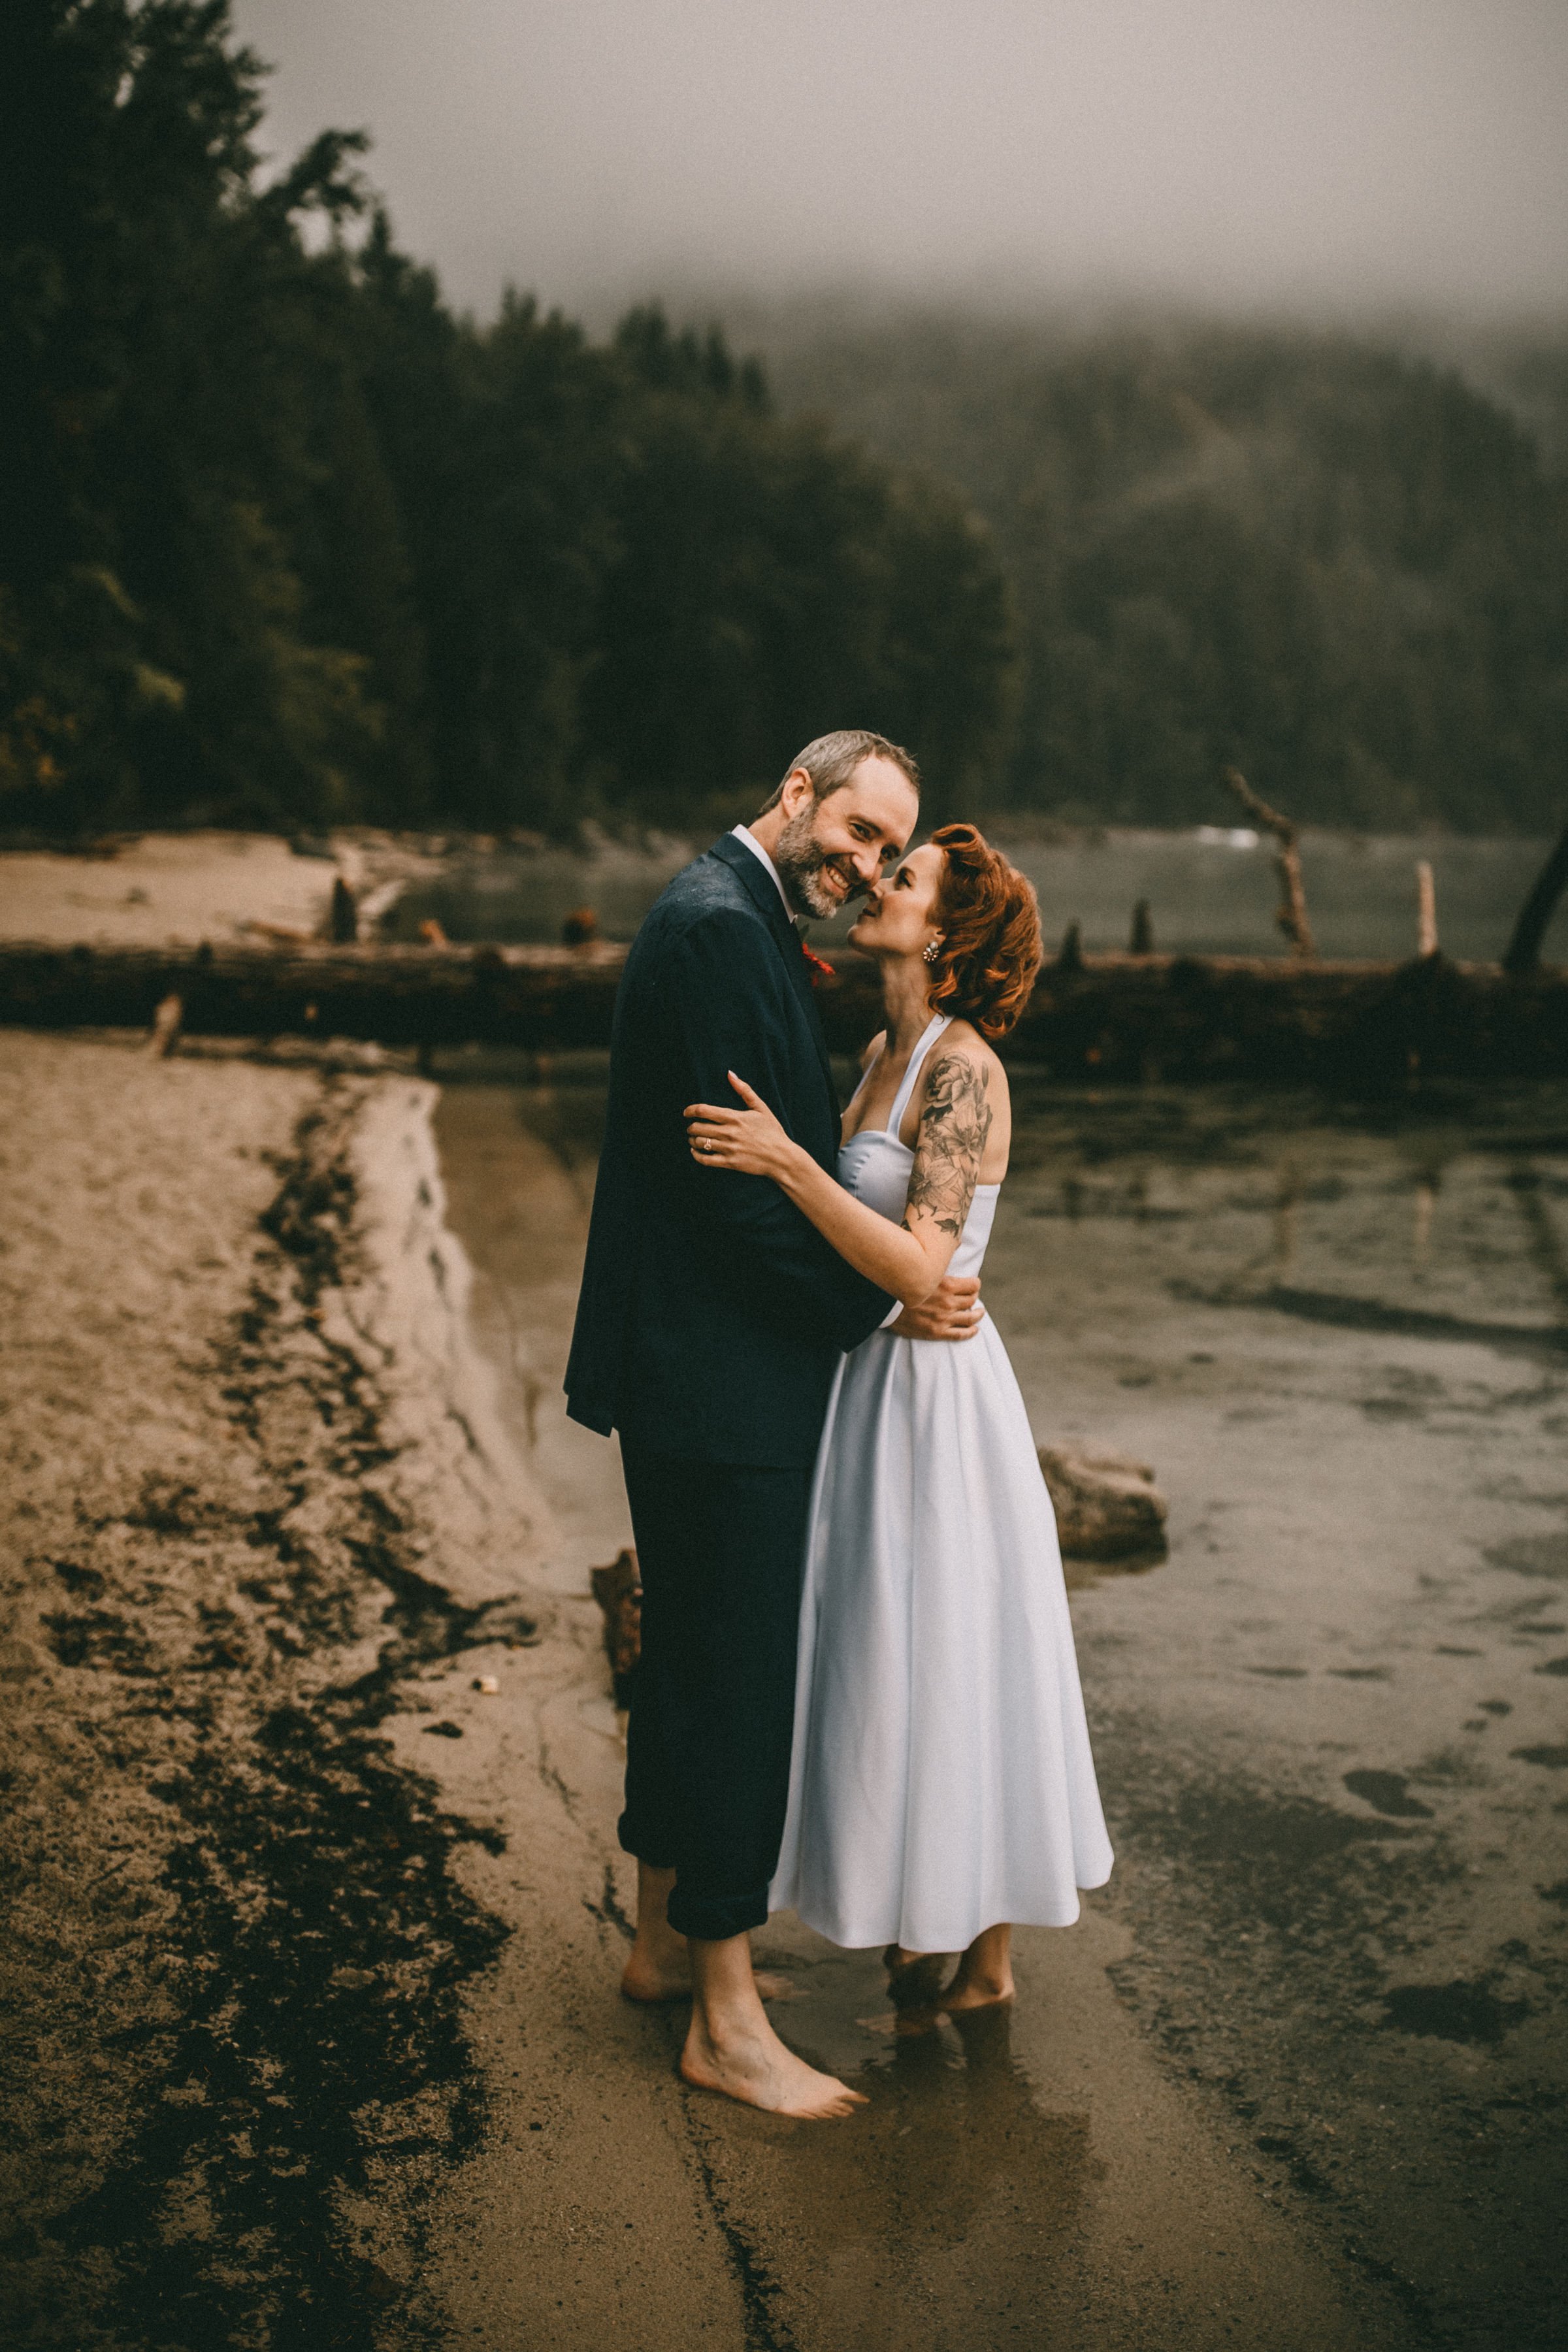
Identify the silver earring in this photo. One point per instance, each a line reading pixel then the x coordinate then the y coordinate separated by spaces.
pixel 930 951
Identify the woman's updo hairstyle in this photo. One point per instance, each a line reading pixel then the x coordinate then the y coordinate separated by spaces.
pixel 985 966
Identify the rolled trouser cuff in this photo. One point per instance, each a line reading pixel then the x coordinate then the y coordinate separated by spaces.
pixel 715 1917
pixel 634 1838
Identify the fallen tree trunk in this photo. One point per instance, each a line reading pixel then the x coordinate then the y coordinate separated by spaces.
pixel 1106 1017
pixel 1267 1021
pixel 541 997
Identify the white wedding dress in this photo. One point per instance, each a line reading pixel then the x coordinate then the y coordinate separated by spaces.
pixel 940 1779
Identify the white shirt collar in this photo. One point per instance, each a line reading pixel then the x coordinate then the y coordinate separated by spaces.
pixel 744 833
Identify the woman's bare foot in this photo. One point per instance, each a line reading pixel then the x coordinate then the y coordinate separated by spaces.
pixel 984 1975
pixel 914 1978
pixel 914 1988
pixel 973 1996
pixel 754 2067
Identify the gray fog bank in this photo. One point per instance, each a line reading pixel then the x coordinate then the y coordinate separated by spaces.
pixel 1348 156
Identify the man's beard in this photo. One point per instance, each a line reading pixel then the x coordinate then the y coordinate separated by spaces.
pixel 803 864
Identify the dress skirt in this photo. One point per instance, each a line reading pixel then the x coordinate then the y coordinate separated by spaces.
pixel 940 1779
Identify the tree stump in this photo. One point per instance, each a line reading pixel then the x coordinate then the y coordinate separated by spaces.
pixel 617 1589
pixel 1106 1505
pixel 342 915
pixel 166 1025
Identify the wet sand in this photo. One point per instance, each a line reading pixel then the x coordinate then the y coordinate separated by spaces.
pixel 1030 2174
pixel 310 1962
pixel 1323 1995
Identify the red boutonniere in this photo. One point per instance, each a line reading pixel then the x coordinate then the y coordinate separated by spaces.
pixel 822 972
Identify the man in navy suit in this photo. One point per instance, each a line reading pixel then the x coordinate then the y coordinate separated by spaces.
pixel 710 1321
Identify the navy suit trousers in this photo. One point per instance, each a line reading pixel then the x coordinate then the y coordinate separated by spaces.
pixel 708 1744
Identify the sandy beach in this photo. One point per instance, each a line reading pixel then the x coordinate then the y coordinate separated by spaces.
pixel 243 1492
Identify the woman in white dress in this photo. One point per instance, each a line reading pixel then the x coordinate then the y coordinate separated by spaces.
pixel 942 1783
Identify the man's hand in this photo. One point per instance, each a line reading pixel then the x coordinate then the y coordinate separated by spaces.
pixel 952 1312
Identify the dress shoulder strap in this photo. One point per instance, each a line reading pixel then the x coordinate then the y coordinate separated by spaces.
pixel 939 1021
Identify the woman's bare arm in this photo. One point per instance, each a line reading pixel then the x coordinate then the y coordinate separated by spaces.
pixel 954 1130
pixel 907 1260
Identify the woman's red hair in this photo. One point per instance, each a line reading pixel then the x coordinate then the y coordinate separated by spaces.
pixel 983 970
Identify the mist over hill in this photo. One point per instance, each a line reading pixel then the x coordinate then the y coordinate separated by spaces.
pixel 287 539
pixel 1337 561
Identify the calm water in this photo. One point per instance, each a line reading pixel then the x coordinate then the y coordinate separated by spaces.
pixel 1332 1727
pixel 1207 896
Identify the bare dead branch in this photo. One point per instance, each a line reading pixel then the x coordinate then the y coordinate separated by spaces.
pixel 1292 915
pixel 1524 948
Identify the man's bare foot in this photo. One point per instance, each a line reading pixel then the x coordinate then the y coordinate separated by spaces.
pixel 659 1968
pixel 754 2067
pixel 645 1979
pixel 731 2047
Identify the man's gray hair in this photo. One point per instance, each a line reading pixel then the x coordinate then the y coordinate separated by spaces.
pixel 833 759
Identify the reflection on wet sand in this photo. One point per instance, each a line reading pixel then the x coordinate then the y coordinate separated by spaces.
pixel 953 2124
pixel 1327 1729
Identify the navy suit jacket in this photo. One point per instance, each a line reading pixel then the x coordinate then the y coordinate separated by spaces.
pixel 713 1315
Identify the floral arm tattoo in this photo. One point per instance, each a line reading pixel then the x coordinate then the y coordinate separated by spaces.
pixel 955 1129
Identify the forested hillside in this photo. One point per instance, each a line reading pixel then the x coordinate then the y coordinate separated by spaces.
pixel 1344 569
pixel 283 541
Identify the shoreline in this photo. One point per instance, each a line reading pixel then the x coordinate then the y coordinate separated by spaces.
pixel 255 1491
pixel 322 1951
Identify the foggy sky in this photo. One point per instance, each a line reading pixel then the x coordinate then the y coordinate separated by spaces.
pixel 1293 154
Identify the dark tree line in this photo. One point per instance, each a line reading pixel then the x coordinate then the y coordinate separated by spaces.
pixel 283 541
pixel 1341 570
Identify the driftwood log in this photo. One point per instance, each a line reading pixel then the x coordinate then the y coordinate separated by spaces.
pixel 1106 1505
pixel 424 995
pixel 617 1589
pixel 1179 1018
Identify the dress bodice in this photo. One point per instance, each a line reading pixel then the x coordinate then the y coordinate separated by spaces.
pixel 875 1166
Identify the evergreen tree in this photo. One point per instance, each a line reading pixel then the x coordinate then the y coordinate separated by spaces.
pixel 283 541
